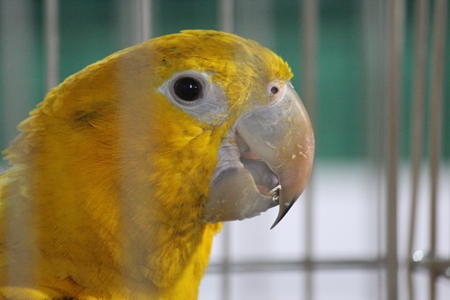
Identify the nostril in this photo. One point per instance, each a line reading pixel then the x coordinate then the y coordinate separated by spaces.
pixel 274 90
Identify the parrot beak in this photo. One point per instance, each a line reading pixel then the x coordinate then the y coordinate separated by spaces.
pixel 265 160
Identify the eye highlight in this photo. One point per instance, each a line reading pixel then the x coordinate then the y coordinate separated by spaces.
pixel 188 88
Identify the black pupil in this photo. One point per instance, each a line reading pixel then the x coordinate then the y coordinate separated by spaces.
pixel 187 88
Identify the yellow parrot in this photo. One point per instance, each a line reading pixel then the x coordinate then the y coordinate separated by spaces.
pixel 121 177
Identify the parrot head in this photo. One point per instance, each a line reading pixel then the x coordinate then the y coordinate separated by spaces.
pixel 131 161
pixel 200 119
pixel 260 130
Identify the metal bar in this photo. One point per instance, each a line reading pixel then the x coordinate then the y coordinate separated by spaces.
pixel 395 57
pixel 382 140
pixel 417 121
pixel 439 27
pixel 51 43
pixel 226 10
pixel 440 266
pixel 225 263
pixel 16 54
pixel 374 20
pixel 143 21
pixel 146 19
pixel 309 17
pixel 297 265
pixel 139 10
pixel 255 266
pixel 17 62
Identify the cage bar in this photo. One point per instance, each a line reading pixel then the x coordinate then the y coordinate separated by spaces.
pixel 310 29
pixel 439 29
pixel 226 15
pixel 51 43
pixel 394 83
pixel 226 18
pixel 418 123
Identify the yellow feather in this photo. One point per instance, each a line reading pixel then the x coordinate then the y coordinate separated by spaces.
pixel 109 177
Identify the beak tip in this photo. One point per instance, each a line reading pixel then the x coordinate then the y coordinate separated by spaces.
pixel 275 223
pixel 284 208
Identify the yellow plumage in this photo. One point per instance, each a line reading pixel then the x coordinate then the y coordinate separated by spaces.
pixel 108 179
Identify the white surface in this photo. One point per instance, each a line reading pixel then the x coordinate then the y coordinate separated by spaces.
pixel 346 208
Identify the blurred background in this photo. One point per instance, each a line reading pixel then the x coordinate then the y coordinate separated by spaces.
pixel 374 222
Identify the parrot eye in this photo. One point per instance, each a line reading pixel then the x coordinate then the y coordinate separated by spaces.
pixel 188 88
pixel 196 94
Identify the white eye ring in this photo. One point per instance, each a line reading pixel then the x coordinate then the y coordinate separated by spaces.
pixel 202 98
pixel 276 90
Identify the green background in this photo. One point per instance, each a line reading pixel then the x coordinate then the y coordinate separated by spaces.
pixel 89 31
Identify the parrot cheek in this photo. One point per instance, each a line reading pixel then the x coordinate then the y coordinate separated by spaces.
pixel 265 161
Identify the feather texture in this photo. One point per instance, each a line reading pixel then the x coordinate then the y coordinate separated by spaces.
pixel 108 178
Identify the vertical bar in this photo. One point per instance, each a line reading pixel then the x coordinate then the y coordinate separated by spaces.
pixel 18 70
pixel 226 285
pixel 309 59
pixel 17 63
pixel 143 22
pixel 226 16
pixel 417 121
pixel 123 22
pixel 51 43
pixel 395 57
pixel 437 82
pixel 255 20
pixel 374 20
pixel 226 9
pixel 310 16
pixel 146 19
